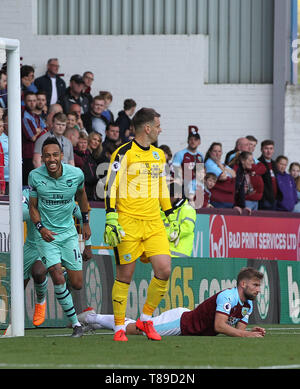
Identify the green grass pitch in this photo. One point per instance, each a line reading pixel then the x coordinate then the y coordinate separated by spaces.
pixel 55 349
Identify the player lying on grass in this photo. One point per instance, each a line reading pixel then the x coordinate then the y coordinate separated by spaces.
pixel 227 312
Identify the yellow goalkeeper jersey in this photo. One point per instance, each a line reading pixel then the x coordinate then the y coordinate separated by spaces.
pixel 136 183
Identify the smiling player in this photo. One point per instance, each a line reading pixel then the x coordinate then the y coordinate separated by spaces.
pixel 53 187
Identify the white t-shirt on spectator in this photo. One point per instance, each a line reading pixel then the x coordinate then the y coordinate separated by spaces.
pixel 54 91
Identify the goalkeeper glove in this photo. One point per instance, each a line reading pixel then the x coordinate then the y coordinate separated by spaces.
pixel 113 232
pixel 174 229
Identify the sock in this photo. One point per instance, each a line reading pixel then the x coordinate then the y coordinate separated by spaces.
pixel 101 321
pixel 41 291
pixel 156 291
pixel 119 300
pixel 65 299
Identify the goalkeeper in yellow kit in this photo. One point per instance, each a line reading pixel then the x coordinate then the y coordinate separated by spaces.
pixel 135 190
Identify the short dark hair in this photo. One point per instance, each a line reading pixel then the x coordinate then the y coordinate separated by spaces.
pixel 247 273
pixel 26 70
pixel 251 138
pixel 77 78
pixel 266 142
pixel 98 97
pixel 111 124
pixel 143 116
pixel 2 72
pixel 29 93
pixel 41 92
pixel 51 59
pixel 128 104
pixel 51 141
pixel 280 157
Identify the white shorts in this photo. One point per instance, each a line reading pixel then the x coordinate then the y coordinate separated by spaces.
pixel 167 323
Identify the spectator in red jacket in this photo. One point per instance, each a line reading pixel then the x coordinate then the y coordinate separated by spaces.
pixel 81 151
pixel 255 176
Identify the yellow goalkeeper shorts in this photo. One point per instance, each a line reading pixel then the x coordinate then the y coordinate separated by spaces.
pixel 141 236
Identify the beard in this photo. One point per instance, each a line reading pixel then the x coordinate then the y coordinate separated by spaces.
pixel 249 296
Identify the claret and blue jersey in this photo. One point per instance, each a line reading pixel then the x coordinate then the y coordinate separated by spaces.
pixel 200 321
pixel 229 303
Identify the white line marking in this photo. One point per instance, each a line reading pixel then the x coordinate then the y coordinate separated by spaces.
pixel 112 366
pixel 85 334
pixel 283 329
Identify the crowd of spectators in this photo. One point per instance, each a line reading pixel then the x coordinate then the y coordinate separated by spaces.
pixel 89 132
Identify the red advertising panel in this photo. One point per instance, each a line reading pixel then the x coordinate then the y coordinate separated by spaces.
pixel 254 237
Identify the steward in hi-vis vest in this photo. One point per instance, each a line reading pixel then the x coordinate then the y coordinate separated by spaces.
pixel 186 218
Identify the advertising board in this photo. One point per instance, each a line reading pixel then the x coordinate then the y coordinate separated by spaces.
pixel 254 237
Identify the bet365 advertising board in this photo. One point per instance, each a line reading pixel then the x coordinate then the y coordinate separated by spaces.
pixel 220 244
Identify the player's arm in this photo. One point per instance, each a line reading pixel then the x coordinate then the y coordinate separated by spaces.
pixel 221 326
pixel 115 170
pixel 25 208
pixel 113 232
pixel 87 252
pixel 166 206
pixel 242 326
pixel 35 216
pixel 84 208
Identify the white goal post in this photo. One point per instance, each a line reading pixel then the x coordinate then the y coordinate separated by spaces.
pixel 11 49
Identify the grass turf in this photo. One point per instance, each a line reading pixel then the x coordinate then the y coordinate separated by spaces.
pixel 55 349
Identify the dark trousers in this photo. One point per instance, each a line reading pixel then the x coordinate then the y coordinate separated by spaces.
pixel 267 205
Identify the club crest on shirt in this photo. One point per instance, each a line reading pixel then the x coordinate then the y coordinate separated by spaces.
pixel 245 311
pixel 69 183
pixel 127 257
pixel 155 155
